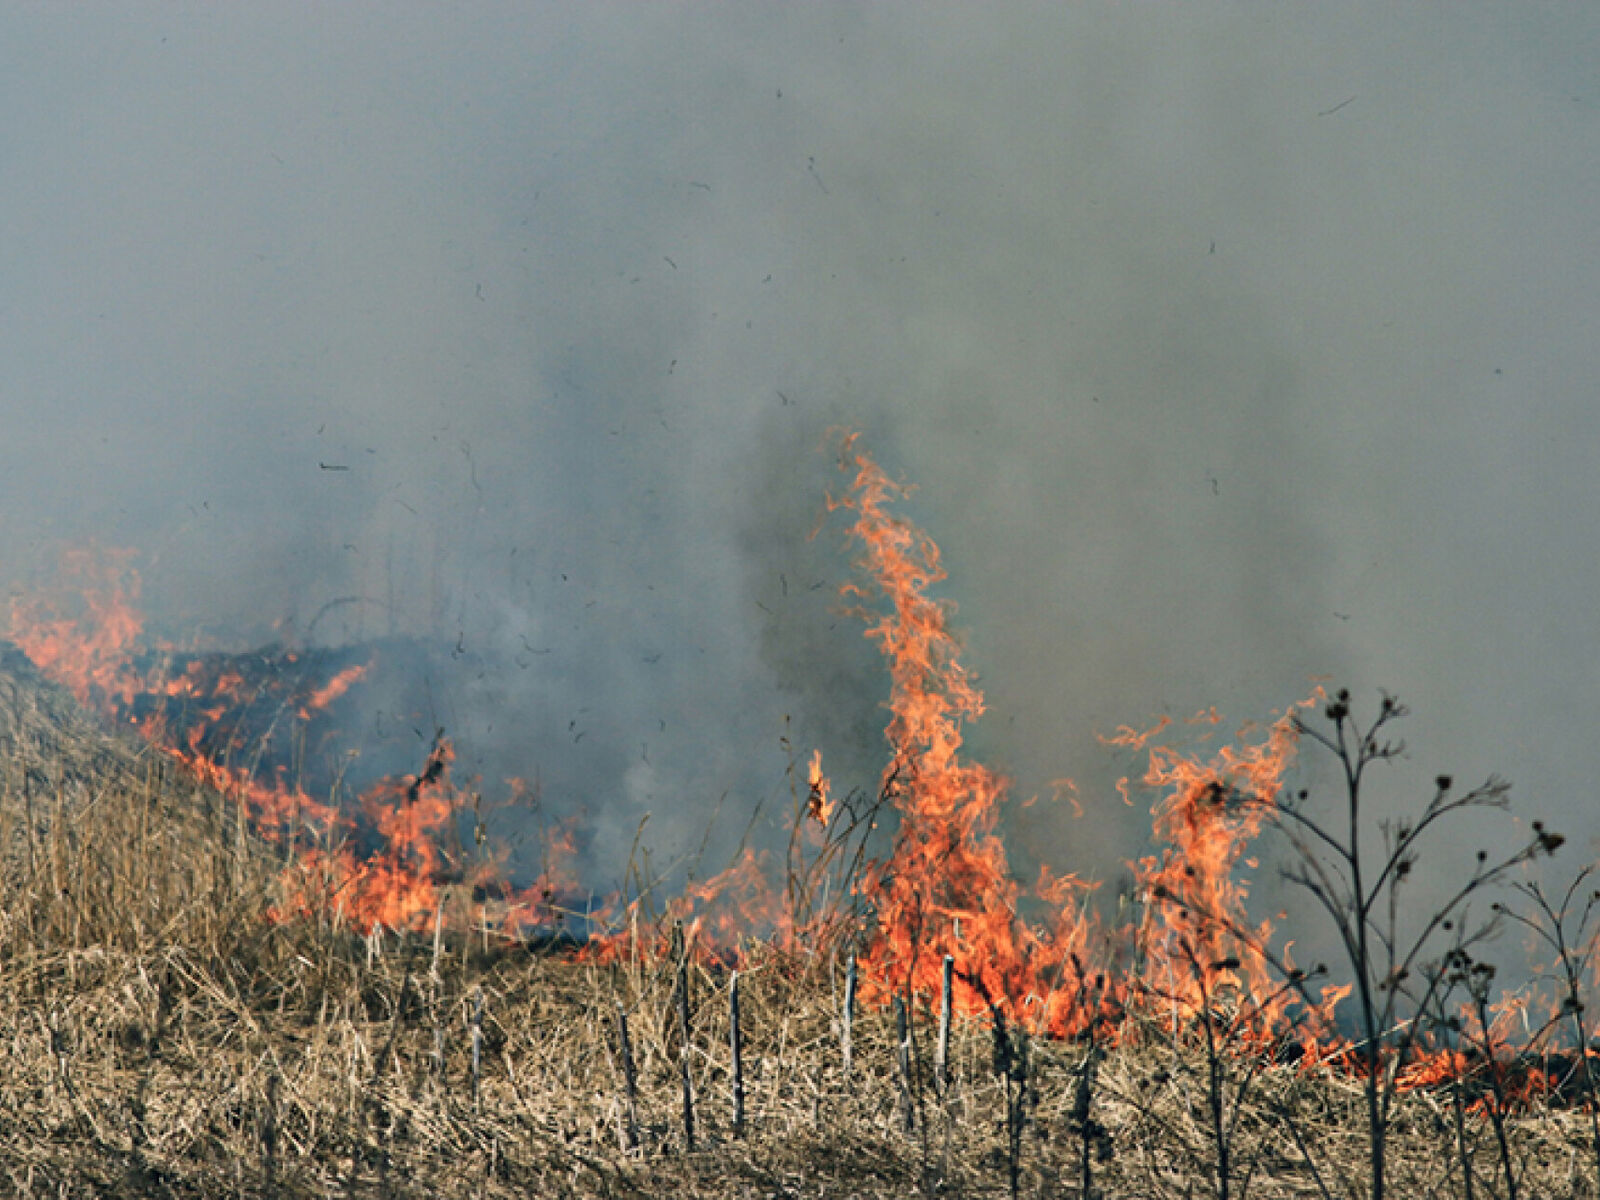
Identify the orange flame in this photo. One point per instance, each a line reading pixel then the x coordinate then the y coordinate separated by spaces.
pixel 1196 935
pixel 819 807
pixel 83 632
pixel 946 887
pixel 333 689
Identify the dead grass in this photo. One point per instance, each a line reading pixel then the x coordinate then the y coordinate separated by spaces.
pixel 162 1038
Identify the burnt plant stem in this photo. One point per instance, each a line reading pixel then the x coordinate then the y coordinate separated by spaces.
pixel 1011 1054
pixel 630 1082
pixel 1093 1138
pixel 735 1050
pixel 1458 1111
pixel 848 1018
pixel 942 1054
pixel 1494 1067
pixel 1216 1083
pixel 684 1065
pixel 1017 1108
pixel 902 1034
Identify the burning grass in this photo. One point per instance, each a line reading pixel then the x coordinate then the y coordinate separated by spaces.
pixel 165 1038
pixel 217 982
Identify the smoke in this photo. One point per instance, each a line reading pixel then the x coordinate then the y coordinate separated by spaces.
pixel 1229 346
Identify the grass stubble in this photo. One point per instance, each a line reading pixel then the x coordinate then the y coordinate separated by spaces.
pixel 159 1036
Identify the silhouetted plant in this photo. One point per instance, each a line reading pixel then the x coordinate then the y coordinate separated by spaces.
pixel 1238 1031
pixel 1360 890
pixel 1574 948
pixel 1095 1144
pixel 1482 1070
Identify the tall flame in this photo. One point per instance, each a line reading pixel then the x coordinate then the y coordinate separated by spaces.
pixel 946 887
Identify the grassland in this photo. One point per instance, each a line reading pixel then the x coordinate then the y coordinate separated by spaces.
pixel 163 1037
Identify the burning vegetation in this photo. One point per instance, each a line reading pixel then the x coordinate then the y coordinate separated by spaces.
pixel 232 968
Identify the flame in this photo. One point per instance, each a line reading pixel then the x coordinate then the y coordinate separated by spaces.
pixel 382 864
pixel 1196 936
pixel 548 901
pixel 946 887
pixel 82 632
pixel 819 807
pixel 1434 1069
pixel 733 903
pixel 333 689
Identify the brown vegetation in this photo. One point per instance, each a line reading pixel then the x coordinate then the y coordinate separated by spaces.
pixel 163 1037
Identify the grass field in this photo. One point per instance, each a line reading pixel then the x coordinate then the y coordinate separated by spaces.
pixel 164 1037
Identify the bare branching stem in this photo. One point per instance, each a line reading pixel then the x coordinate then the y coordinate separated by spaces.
pixel 1360 893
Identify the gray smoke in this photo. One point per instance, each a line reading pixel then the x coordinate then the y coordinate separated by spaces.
pixel 1229 345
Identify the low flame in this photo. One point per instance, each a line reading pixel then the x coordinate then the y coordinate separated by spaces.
pixel 83 631
pixel 382 865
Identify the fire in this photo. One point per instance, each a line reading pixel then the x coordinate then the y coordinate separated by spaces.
pixel 546 903
pixel 384 863
pixel 1039 956
pixel 82 633
pixel 1196 936
pixel 818 805
pixel 398 884
pixel 946 887
pixel 333 689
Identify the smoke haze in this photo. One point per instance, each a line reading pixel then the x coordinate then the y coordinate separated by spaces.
pixel 1229 346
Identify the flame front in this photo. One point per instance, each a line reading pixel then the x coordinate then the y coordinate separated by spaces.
pixel 383 864
pixel 82 632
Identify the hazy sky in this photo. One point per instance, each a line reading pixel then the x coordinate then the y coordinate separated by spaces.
pixel 1230 345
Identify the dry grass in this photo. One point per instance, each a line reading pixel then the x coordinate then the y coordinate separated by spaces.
pixel 162 1038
